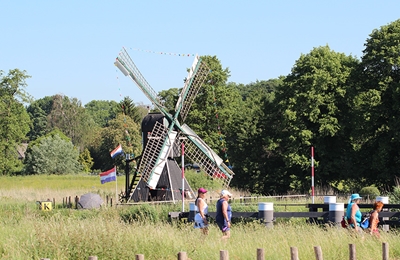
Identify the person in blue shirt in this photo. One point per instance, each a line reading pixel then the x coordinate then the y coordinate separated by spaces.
pixel 353 213
pixel 224 214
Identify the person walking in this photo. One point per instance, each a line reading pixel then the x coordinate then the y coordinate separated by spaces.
pixel 374 219
pixel 224 214
pixel 353 213
pixel 200 219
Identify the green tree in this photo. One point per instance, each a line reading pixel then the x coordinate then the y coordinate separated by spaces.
pixel 14 120
pixel 85 160
pixel 213 110
pixel 378 107
pixel 70 117
pixel 129 109
pixel 121 130
pixel 53 155
pixel 102 111
pixel 315 102
pixel 254 151
pixel 169 98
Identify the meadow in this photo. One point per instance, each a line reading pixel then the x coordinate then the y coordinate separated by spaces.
pixel 122 232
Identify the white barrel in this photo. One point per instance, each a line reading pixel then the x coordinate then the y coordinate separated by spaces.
pixel 336 212
pixel 385 200
pixel 266 213
pixel 329 199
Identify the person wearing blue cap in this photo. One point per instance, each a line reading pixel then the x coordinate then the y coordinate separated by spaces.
pixel 353 213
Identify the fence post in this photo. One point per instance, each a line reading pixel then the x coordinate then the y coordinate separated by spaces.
pixel 336 212
pixel 260 254
pixel 318 253
pixel 76 202
pixel 266 213
pixel 139 257
pixel 385 200
pixel 182 256
pixel 352 250
pixel 385 251
pixel 223 255
pixel 294 253
pixel 192 211
pixel 92 258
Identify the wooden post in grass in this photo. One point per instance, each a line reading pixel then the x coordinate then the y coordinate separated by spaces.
pixel 294 253
pixel 260 254
pixel 223 255
pixel 139 257
pixel 92 257
pixel 385 251
pixel 76 202
pixel 182 256
pixel 318 253
pixel 352 250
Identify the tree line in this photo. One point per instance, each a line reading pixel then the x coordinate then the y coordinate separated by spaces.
pixel 347 108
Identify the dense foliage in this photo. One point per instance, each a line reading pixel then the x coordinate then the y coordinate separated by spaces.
pixel 347 108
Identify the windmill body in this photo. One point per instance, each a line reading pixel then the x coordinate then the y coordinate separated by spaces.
pixel 157 167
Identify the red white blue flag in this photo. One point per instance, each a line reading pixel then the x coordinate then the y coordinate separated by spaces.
pixel 110 175
pixel 117 151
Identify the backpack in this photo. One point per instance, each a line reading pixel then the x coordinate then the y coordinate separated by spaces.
pixel 365 219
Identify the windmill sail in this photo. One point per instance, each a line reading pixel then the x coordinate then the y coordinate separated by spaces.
pixel 125 64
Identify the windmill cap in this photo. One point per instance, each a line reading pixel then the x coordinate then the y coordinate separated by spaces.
pixel 202 190
pixel 226 193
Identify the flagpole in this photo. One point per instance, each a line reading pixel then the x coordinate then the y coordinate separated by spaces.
pixel 116 185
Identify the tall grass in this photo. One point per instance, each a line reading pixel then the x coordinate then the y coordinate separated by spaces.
pixel 122 232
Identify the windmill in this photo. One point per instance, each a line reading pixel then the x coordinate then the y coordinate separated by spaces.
pixel 167 136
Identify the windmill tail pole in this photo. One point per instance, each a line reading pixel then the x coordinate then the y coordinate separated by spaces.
pixel 183 177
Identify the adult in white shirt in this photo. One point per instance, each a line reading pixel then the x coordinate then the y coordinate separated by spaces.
pixel 200 218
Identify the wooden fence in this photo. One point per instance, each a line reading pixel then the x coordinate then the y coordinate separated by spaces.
pixel 260 254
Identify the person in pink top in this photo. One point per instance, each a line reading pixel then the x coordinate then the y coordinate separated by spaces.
pixel 200 218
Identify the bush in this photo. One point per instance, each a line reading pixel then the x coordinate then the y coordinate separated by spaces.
pixel 370 192
pixel 145 212
pixel 201 179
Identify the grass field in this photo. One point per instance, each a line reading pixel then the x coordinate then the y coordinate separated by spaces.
pixel 123 232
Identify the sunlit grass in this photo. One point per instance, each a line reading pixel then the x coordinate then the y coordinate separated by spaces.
pixel 122 232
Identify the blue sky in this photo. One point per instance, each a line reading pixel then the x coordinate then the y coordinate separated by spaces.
pixel 69 47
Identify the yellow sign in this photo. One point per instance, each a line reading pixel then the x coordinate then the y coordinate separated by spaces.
pixel 46 205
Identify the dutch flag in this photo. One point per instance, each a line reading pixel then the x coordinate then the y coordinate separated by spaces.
pixel 108 176
pixel 117 151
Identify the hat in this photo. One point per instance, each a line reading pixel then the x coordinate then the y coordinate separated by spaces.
pixel 202 190
pixel 226 193
pixel 355 196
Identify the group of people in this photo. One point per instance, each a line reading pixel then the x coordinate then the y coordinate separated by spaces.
pixel 355 217
pixel 223 215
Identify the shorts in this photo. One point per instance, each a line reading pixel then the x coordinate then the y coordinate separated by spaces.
pixel 199 221
pixel 223 226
